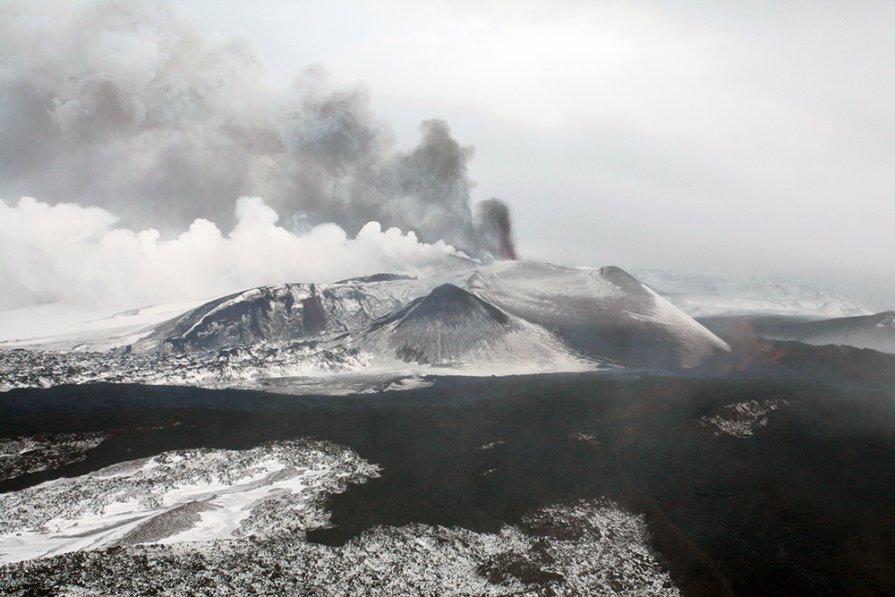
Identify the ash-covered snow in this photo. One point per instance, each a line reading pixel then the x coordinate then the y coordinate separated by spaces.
pixel 286 312
pixel 601 313
pixel 584 436
pixel 229 367
pixel 695 342
pixel 45 451
pixel 181 496
pixel 584 548
pixel 452 328
pixel 742 419
pixel 223 522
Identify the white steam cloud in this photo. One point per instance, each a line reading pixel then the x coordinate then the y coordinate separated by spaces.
pixel 73 254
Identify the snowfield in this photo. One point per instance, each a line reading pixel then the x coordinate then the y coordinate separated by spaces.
pixel 184 496
pixel 67 327
pixel 233 522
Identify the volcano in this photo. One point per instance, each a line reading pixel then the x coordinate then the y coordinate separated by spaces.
pixel 465 318
pixel 601 313
pixel 451 327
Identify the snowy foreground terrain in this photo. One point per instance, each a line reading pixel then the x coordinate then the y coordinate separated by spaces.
pixel 558 484
pixel 238 519
pixel 196 495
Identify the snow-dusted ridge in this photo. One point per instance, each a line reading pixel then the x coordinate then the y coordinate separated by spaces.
pixel 282 313
pixel 602 313
pixel 742 419
pixel 876 331
pixel 708 296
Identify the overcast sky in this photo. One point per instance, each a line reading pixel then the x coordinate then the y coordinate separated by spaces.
pixel 734 139
pixel 729 138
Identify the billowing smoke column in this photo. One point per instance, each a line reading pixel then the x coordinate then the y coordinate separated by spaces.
pixel 124 104
pixel 495 228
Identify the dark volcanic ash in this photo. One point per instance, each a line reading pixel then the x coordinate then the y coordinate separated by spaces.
pixel 496 229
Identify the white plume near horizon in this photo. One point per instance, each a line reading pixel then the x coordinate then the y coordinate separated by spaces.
pixel 68 253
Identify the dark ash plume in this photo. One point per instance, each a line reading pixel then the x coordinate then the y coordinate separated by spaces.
pixel 124 104
pixel 495 228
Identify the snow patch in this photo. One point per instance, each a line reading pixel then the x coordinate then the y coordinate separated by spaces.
pixel 132 502
pixel 742 419
pixel 589 547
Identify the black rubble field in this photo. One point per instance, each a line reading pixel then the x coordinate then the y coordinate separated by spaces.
pixel 800 503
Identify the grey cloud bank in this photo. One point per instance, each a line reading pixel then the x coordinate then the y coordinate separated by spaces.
pixel 128 106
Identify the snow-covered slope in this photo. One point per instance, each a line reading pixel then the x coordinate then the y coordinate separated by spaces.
pixel 289 312
pixel 182 496
pixel 266 313
pixel 277 313
pixel 706 296
pixel 602 313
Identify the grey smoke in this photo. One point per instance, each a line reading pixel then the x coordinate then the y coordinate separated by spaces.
pixel 496 229
pixel 126 105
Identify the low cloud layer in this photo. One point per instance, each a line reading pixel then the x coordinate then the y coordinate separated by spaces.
pixel 73 254
pixel 126 105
